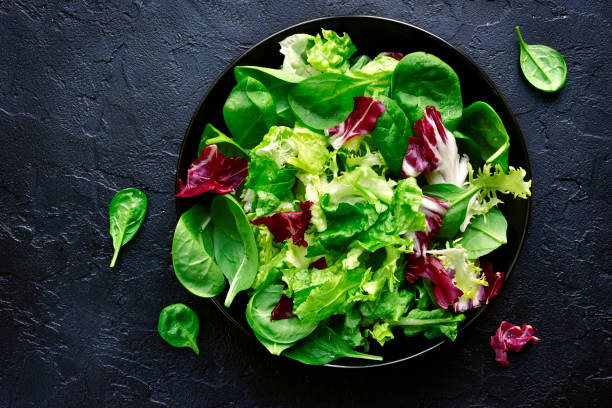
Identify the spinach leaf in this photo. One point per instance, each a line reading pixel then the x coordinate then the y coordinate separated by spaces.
pixel 543 66
pixel 420 80
pixel 249 112
pixel 322 347
pixel 278 82
pixel 484 234
pixel 227 146
pixel 323 101
pixel 467 145
pixel 126 213
pixel 484 127
pixel 391 134
pixel 192 249
pixel 432 323
pixel 234 245
pixel 179 326
pixel 284 331
pixel 272 347
pixel 458 199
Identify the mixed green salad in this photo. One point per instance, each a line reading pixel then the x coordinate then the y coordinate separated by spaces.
pixel 353 203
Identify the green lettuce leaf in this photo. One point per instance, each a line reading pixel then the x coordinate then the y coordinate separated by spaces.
pixel 359 184
pixel 311 150
pixel 350 331
pixel 294 49
pixel 331 53
pixel 381 332
pixel 391 305
pixel 379 71
pixel 277 145
pixel 267 185
pixel 432 323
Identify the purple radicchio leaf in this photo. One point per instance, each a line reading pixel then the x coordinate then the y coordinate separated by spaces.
pixel 511 337
pixel 430 267
pixel 361 121
pixel 397 55
pixel 437 147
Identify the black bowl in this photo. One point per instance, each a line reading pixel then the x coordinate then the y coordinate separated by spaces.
pixel 372 35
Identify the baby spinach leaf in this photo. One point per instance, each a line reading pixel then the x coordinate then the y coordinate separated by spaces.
pixel 249 112
pixel 466 145
pixel 179 326
pixel 543 66
pixel 126 213
pixel 272 347
pixel 278 82
pixel 192 249
pixel 484 127
pixel 485 234
pixel 234 245
pixel 391 134
pixel 420 80
pixel 284 331
pixel 458 199
pixel 324 346
pixel 227 146
pixel 432 323
pixel 323 101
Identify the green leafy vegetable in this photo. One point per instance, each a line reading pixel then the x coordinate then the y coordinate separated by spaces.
pixel 294 49
pixel 234 245
pixel 267 185
pixel 249 112
pixel 192 249
pixel 278 82
pixel 543 66
pixel 481 124
pixel 484 234
pixel 458 199
pixel 379 72
pixel 331 52
pixel 179 326
pixel 391 134
pixel 323 101
pixel 284 331
pixel 421 80
pixel 227 146
pixel 432 323
pixel 311 148
pixel 126 213
pixel 322 347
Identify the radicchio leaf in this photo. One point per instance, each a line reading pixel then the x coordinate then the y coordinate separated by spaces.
pixel 320 263
pixel 213 172
pixel 494 280
pixel 511 337
pixel 397 55
pixel 361 121
pixel 434 211
pixel 431 268
pixel 439 148
pixel 283 310
pixel 285 225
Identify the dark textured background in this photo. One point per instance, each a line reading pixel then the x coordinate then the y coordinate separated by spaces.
pixel 96 96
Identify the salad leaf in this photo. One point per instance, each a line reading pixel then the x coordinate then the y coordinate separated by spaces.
pixel 512 183
pixel 274 348
pixel 267 185
pixel 361 121
pixel 457 199
pixel 345 221
pixel 432 323
pixel 285 225
pixel 249 112
pixel 391 134
pixel 283 309
pixel 277 145
pixel 383 276
pixel 193 251
pixel 234 245
pixel 397 55
pixel 350 330
pixel 278 82
pixel 379 72
pixel 322 347
pixel 179 326
pixel 311 150
pixel 494 280
pixel 421 80
pixel 126 213
pixel 482 125
pixel 294 49
pixel 390 305
pixel 284 331
pixel 331 52
pixel 511 337
pixel 361 184
pixel 314 187
pixel 440 150
pixel 325 100
pixel 213 172
pixel 430 267
pixel 484 234
pixel 270 271
pixel 227 146
pixel 381 332
pixel 359 62
pixel 543 66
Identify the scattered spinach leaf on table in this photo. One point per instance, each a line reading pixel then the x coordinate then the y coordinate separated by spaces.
pixel 179 326
pixel 543 66
pixel 192 254
pixel 126 213
pixel 234 245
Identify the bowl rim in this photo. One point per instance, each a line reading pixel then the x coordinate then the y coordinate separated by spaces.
pixel 462 56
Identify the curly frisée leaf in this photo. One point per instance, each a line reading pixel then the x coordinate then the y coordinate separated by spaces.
pixel 512 183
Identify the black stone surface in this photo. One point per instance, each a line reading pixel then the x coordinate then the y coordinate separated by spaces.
pixel 96 96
